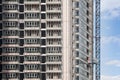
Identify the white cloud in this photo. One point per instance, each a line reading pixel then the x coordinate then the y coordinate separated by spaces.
pixel 104 77
pixel 110 8
pixel 114 63
pixel 110 39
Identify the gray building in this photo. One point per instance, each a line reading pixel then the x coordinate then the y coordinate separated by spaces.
pixel 46 39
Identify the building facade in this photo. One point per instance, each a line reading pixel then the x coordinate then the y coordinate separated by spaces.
pixel 46 39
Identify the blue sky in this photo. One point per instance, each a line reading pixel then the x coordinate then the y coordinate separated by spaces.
pixel 110 48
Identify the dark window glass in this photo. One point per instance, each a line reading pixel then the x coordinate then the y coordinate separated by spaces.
pixel 87 5
pixel 0 42
pixel 43 1
pixel 0 16
pixel 43 68
pixel 21 51
pixel 43 42
pixel 21 34
pixel 43 16
pixel 43 50
pixel 87 13
pixel 43 76
pixel 21 1
pixel 0 1
pixel 21 42
pixel 21 76
pixel 21 8
pixel 21 68
pixel 87 20
pixel 0 64
pixel 43 34
pixel 21 25
pixel 21 16
pixel 0 34
pixel 0 8
pixel 0 51
pixel 43 25
pixel 43 59
pixel 21 59
pixel 0 25
pixel 43 8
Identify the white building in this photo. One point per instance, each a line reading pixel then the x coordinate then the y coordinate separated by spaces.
pixel 46 39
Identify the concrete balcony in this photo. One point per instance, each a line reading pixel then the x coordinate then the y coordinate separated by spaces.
pixel 31 19
pixel 53 2
pixel 8 54
pixel 32 79
pixel 10 2
pixel 11 62
pixel 34 71
pixel 51 54
pixel 54 28
pixel 32 36
pixel 53 45
pixel 35 54
pixel 53 71
pixel 13 11
pixel 10 36
pixel 10 71
pixel 32 2
pixel 60 62
pixel 31 45
pixel 31 62
pixel 10 45
pixel 54 79
pixel 12 79
pixel 32 28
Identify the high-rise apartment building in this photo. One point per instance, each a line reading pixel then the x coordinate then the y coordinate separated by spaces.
pixel 46 39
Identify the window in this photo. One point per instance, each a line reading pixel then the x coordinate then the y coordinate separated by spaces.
pixel 43 1
pixel 43 50
pixel 32 50
pixel 21 25
pixel 77 62
pixel 21 1
pixel 87 5
pixel 43 34
pixel 10 7
pixel 76 21
pixel 0 7
pixel 0 16
pixel 77 37
pixel 43 42
pixel 77 4
pixel 21 16
pixel 0 25
pixel 21 43
pixel 21 59
pixel 43 8
pixel 76 13
pixel 77 78
pixel 77 53
pixel 21 51
pixel 43 25
pixel 77 70
pixel 21 8
pixel 43 58
pixel 43 16
pixel 32 23
pixel 32 15
pixel 21 34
